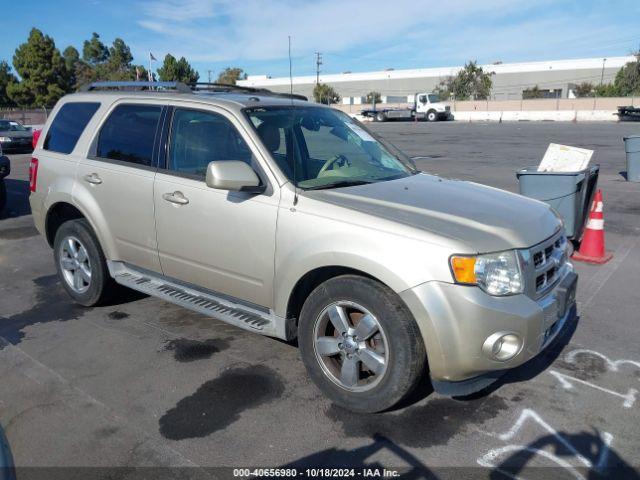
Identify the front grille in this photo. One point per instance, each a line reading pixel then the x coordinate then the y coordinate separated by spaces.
pixel 548 259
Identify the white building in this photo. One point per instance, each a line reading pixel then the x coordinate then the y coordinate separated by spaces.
pixel 555 77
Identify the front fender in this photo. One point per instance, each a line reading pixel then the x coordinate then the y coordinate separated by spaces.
pixel 308 242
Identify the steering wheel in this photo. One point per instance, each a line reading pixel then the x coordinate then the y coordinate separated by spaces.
pixel 333 161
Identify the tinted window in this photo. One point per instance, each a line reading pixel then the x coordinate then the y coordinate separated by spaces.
pixel 198 138
pixel 64 132
pixel 129 133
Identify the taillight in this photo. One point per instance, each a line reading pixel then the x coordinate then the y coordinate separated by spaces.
pixel 33 174
pixel 36 136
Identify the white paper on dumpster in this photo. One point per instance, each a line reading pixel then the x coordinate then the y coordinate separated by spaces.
pixel 563 158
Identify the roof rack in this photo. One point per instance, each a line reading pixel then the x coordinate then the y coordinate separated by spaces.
pixel 228 87
pixel 196 87
pixel 178 86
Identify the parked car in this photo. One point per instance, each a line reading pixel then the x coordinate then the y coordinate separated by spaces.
pixel 5 170
pixel 292 220
pixel 14 136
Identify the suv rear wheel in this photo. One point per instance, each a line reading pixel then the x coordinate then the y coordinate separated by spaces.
pixel 360 344
pixel 81 265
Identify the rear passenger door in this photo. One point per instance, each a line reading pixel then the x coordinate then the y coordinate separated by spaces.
pixel 115 182
pixel 221 240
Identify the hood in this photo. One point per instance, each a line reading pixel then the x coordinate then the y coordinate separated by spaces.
pixel 485 218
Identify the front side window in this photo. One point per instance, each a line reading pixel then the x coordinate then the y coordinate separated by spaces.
pixel 129 133
pixel 318 147
pixel 198 138
pixel 433 98
pixel 68 125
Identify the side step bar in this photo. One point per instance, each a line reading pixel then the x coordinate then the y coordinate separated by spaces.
pixel 204 302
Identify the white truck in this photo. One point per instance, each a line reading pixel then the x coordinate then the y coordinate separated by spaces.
pixel 426 106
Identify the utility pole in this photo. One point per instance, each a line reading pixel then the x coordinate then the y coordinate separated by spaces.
pixel 209 75
pixel 602 74
pixel 318 63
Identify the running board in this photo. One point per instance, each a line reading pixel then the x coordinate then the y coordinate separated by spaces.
pixel 204 302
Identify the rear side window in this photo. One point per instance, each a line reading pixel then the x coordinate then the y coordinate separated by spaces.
pixel 129 133
pixel 64 132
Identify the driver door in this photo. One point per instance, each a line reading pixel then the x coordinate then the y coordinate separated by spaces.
pixel 220 240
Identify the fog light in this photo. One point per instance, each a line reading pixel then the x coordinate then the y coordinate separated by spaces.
pixel 502 346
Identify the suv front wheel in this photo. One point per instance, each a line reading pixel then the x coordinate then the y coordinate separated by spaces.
pixel 360 344
pixel 81 265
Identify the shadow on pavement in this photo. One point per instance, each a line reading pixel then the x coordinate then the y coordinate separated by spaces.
pixel 561 448
pixel 358 459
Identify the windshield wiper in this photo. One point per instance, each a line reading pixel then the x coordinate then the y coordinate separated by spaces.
pixel 339 184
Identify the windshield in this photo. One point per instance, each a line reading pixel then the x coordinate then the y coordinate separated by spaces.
pixel 11 126
pixel 329 147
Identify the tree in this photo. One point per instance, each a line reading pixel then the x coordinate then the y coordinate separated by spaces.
pixel 532 93
pixel 42 71
pixel 71 63
pixel 231 75
pixel 323 93
pixel 120 58
pixel 585 89
pixel 471 82
pixel 94 51
pixel 173 70
pixel 6 77
pixel 627 81
pixel 102 63
pixel 373 97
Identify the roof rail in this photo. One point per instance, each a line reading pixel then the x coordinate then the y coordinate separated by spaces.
pixel 196 87
pixel 133 85
pixel 228 87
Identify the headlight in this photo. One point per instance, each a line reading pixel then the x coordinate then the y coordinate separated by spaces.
pixel 5 139
pixel 495 273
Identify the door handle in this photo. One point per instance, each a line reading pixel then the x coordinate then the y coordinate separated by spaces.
pixel 176 197
pixel 93 178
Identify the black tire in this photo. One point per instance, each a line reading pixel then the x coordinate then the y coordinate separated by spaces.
pixel 405 356
pixel 381 117
pixel 3 194
pixel 101 287
pixel 432 116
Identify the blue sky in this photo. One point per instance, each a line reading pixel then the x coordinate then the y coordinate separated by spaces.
pixel 353 35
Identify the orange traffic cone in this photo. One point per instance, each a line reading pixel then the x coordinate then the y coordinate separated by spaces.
pixel 592 246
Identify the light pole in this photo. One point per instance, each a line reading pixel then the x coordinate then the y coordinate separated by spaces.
pixel 602 74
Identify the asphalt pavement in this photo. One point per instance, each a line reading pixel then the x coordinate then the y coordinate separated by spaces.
pixel 143 383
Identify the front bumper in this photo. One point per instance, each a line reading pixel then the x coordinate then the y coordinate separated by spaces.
pixel 456 320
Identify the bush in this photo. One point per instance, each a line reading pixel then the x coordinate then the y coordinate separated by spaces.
pixel 323 93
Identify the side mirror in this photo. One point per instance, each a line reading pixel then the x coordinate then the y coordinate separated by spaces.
pixel 232 175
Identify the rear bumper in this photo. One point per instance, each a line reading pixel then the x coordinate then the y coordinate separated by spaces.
pixel 456 321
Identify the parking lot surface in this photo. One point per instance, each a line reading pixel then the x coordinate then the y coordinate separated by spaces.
pixel 143 383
